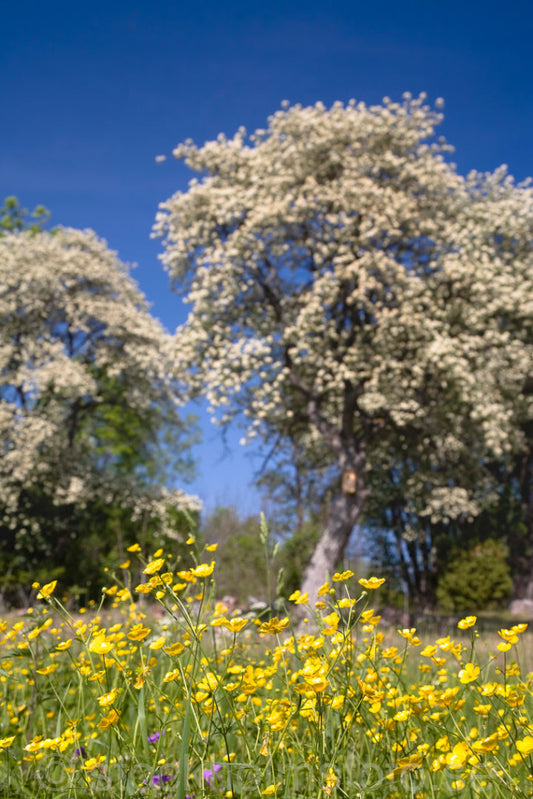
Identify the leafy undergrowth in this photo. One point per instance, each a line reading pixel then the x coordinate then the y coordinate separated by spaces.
pixel 167 693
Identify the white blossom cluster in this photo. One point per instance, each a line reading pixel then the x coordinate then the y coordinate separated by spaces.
pixel 342 276
pixel 69 314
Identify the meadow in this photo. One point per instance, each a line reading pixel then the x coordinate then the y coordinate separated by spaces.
pixel 162 691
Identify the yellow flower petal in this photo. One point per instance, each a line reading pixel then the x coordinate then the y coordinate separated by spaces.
pixel 372 582
pixel 271 790
pixel 469 673
pixel 154 566
pixel 525 745
pixel 467 622
pixel 46 590
pixel 204 569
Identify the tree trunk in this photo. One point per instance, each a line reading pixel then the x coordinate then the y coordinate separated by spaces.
pixel 523 561
pixel 343 515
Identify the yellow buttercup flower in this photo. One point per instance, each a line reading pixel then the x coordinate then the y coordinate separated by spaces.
pixel 406 764
pixel 488 744
pixel 510 636
pixel 525 745
pixel 467 622
pixel 100 645
pixel 141 678
pixel 107 699
pixel 346 603
pixel 174 649
pixel 340 576
pixel 48 669
pixel 503 646
pixel 34 745
pixel 109 720
pixel 271 790
pixel 457 758
pixel 204 569
pixel 134 548
pixel 159 643
pixel 172 675
pixel 331 782
pixel 187 576
pixel 144 588
pixel 234 625
pixel 5 742
pixel 298 598
pixel 409 634
pixel 332 621
pixel 46 590
pixel 372 583
pixel 519 628
pixel 273 626
pixel 138 632
pixel 469 673
pixel 93 762
pixel 154 566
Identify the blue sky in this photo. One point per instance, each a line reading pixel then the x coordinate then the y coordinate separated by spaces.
pixel 92 92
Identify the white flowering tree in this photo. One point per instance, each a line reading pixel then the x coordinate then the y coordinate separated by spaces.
pixel 84 390
pixel 350 291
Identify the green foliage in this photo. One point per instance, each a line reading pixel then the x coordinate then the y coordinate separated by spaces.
pixel 14 217
pixel 151 444
pixel 79 545
pixel 241 566
pixel 294 556
pixel 477 579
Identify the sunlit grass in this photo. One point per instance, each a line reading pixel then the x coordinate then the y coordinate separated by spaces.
pixel 165 693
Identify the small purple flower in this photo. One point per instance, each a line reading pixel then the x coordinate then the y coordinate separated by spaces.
pixel 209 774
pixel 160 779
pixel 155 736
pixel 80 752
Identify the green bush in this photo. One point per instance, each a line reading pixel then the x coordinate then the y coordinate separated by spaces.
pixel 294 555
pixel 477 579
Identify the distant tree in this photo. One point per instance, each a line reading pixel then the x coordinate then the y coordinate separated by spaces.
pixel 14 217
pixel 294 555
pixel 241 561
pixel 349 290
pixel 85 399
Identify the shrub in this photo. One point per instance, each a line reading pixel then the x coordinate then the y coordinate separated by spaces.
pixel 476 579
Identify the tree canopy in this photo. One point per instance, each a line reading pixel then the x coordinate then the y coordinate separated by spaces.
pixel 352 293
pixel 85 392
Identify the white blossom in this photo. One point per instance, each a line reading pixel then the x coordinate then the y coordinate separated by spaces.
pixel 344 279
pixel 70 316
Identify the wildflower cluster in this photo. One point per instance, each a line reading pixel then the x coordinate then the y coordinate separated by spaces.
pixel 182 697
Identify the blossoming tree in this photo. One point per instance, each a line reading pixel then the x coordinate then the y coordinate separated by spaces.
pixel 351 292
pixel 84 386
